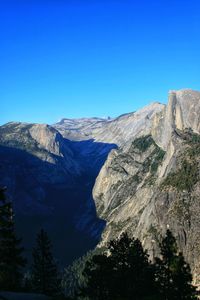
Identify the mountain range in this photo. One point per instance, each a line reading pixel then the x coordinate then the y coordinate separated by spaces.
pixel 87 180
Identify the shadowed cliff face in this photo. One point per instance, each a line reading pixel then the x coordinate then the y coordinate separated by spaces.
pixel 50 181
pixel 40 202
pixel 152 183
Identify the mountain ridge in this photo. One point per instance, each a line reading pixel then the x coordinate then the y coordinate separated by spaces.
pixel 116 130
pixel 125 168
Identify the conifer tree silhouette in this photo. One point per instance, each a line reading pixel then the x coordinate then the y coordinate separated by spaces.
pixel 44 271
pixel 173 273
pixel 124 272
pixel 11 259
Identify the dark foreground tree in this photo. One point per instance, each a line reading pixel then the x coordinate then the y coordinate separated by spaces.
pixel 124 272
pixel 134 273
pixel 44 271
pixel 11 259
pixel 173 273
pixel 98 272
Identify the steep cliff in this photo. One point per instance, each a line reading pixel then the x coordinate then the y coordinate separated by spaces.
pixel 105 135
pixel 153 184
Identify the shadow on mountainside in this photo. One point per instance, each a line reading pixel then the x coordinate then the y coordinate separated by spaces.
pixel 48 196
pixel 91 154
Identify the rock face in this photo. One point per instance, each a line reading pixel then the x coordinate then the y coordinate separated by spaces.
pixel 181 112
pixel 152 183
pixel 113 131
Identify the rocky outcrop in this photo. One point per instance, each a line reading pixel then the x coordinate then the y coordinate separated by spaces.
pixel 181 112
pixel 152 183
pixel 40 140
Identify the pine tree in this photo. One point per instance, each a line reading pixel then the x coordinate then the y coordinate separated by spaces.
pixel 173 273
pixel 44 271
pixel 98 274
pixel 11 260
pixel 134 273
pixel 124 272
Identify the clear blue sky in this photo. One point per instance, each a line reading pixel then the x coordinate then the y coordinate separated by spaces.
pixel 70 58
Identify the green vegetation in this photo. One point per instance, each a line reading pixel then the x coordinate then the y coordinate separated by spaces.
pixel 193 151
pixel 187 174
pixel 143 143
pixel 136 178
pixel 181 209
pixel 189 136
pixel 185 178
pixel 172 272
pixel 152 162
pixel 192 140
pixel 157 158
